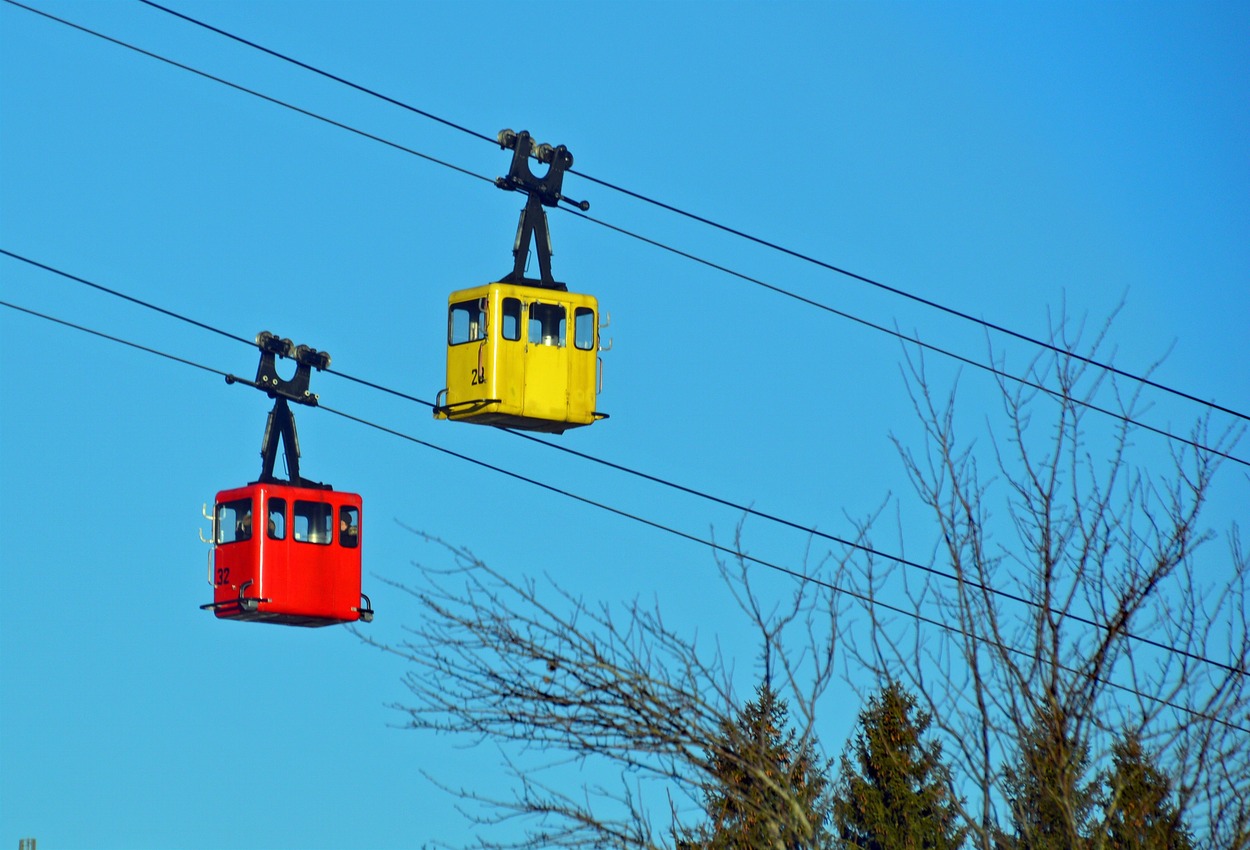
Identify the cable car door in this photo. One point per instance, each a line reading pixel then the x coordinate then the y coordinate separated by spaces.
pixel 546 361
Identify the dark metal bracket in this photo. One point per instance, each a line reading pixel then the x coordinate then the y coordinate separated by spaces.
pixel 246 604
pixel 541 191
pixel 441 409
pixel 267 378
pixel 366 609
pixel 281 422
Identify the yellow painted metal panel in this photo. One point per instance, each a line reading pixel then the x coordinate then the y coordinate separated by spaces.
pixel 542 381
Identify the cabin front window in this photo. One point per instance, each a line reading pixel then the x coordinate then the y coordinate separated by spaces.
pixel 584 328
pixel 349 527
pixel 511 319
pixel 547 324
pixel 466 321
pixel 277 519
pixel 311 522
pixel 234 521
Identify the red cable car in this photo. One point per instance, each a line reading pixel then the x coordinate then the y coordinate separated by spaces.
pixel 286 552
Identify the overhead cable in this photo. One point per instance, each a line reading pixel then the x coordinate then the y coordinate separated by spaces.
pixel 275 101
pixel 807 258
pixel 745 509
pixel 910 339
pixel 867 599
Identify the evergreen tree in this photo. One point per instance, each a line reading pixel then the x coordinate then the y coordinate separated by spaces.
pixel 1137 803
pixel 1050 801
pixel 769 790
pixel 893 790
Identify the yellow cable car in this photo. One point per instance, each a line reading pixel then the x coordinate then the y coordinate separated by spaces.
pixel 521 352
pixel 521 357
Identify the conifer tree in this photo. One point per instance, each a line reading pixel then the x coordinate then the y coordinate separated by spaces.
pixel 1050 800
pixel 893 790
pixel 769 790
pixel 1139 812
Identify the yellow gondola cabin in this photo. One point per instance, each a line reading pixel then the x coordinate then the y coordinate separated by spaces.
pixel 524 352
pixel 521 357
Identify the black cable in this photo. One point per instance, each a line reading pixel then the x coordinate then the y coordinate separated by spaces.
pixel 124 296
pixel 868 600
pixel 745 509
pixel 252 92
pixel 118 340
pixel 771 287
pixel 918 299
pixel 325 74
pixel 722 227
pixel 914 340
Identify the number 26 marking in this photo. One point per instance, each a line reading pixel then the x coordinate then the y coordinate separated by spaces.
pixel 479 376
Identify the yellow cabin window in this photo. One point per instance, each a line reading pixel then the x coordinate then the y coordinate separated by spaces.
pixel 511 319
pixel 584 328
pixel 466 321
pixel 547 324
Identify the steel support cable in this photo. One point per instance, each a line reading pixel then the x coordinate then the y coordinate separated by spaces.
pixel 798 255
pixel 867 599
pixel 253 92
pixel 124 296
pixel 326 74
pixel 913 340
pixel 111 338
pixel 745 509
pixel 988 325
pixel 182 318
pixel 639 237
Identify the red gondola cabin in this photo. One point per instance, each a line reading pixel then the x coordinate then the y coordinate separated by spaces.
pixel 289 555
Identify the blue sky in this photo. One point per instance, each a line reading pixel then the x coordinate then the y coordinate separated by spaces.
pixel 1000 159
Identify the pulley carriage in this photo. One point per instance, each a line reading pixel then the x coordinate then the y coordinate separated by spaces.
pixel 524 352
pixel 286 552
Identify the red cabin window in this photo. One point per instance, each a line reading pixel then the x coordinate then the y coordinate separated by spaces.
pixel 234 521
pixel 277 519
pixel 349 527
pixel 312 522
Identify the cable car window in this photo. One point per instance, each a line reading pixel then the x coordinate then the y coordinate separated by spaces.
pixel 512 318
pixel 349 527
pixel 277 519
pixel 311 522
pixel 584 328
pixel 547 324
pixel 466 321
pixel 234 521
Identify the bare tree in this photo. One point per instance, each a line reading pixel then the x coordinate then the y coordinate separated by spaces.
pixel 1070 582
pixel 553 679
pixel 1078 583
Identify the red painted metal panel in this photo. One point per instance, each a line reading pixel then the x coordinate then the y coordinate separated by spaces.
pixel 288 555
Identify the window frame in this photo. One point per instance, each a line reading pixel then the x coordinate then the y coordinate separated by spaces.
pixel 219 526
pixel 317 537
pixel 477 326
pixel 578 314
pixel 279 532
pixel 505 315
pixel 541 320
pixel 346 540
